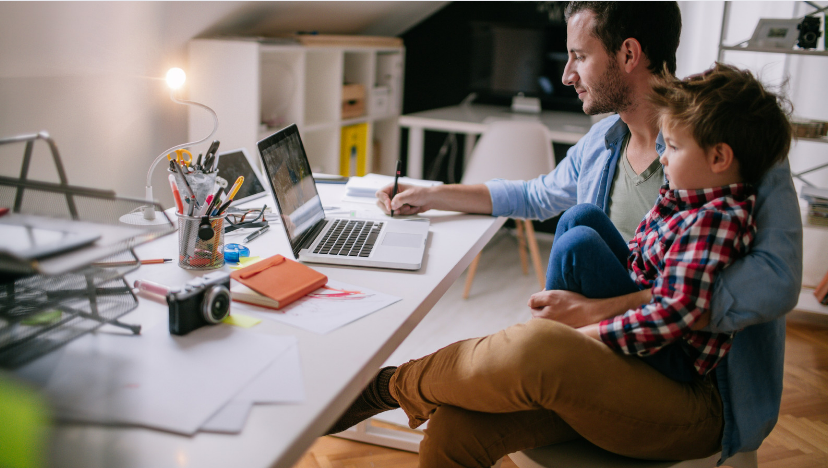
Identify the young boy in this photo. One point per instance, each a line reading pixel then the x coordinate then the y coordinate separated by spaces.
pixel 723 131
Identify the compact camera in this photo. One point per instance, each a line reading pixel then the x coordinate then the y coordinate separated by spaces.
pixel 202 301
pixel 808 32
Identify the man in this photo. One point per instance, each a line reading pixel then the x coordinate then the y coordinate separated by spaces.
pixel 543 382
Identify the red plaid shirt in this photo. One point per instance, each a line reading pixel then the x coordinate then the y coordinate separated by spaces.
pixel 678 249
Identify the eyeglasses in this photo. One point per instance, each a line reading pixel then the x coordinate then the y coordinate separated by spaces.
pixel 240 220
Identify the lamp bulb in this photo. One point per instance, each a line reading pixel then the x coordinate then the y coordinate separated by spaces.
pixel 175 78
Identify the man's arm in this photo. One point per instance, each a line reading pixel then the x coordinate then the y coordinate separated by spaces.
pixel 764 284
pixel 455 197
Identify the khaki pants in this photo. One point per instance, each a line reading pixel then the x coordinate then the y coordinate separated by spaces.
pixel 541 383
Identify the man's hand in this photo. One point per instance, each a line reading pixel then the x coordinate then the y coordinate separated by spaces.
pixel 412 199
pixel 408 201
pixel 566 307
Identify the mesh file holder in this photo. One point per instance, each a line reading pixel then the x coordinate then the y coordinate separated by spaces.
pixel 46 304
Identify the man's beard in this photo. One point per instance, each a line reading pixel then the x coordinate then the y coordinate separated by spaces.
pixel 615 95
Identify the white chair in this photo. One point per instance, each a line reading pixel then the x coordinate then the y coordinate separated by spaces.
pixel 512 150
pixel 582 454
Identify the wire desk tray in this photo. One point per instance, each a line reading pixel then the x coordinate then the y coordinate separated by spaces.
pixel 45 304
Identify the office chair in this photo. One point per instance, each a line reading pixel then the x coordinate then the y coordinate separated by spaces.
pixel 582 454
pixel 512 150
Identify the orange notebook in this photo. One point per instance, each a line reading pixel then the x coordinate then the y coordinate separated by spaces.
pixel 280 279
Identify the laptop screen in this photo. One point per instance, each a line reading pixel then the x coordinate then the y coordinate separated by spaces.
pixel 294 189
pixel 233 164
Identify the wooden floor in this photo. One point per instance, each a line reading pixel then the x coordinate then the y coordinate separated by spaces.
pixel 799 440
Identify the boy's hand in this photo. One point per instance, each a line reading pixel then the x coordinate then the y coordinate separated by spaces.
pixel 575 310
pixel 566 307
pixel 408 201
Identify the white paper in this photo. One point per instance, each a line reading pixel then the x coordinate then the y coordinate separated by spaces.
pixel 327 308
pixel 280 383
pixel 158 380
pixel 362 189
pixel 230 419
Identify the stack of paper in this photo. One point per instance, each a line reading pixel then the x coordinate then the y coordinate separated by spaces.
pixel 206 380
pixel 364 189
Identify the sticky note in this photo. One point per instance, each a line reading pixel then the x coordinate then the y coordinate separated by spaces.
pixel 240 320
pixel 244 261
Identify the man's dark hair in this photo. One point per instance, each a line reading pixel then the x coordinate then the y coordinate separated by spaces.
pixel 655 25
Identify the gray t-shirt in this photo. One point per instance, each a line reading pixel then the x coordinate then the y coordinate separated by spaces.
pixel 633 195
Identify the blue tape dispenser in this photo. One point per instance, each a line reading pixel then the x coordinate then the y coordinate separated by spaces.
pixel 233 252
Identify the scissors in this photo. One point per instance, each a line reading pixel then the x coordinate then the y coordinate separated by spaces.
pixel 179 157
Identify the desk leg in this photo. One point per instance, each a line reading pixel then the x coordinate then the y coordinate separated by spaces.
pixel 468 147
pixel 415 152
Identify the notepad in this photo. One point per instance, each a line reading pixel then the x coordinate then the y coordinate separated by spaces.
pixel 278 279
pixel 364 189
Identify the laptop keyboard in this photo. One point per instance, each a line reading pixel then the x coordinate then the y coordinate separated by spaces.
pixel 349 238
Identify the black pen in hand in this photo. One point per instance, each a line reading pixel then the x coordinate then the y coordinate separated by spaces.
pixel 396 178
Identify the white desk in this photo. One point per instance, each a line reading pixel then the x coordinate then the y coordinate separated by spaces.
pixel 472 120
pixel 336 366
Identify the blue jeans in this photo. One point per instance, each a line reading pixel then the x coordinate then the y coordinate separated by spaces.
pixel 589 257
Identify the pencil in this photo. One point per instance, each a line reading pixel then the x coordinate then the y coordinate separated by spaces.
pixel 153 261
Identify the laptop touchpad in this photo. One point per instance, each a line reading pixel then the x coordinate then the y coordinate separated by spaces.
pixel 400 239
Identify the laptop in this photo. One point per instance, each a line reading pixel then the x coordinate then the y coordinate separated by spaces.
pixel 380 243
pixel 231 165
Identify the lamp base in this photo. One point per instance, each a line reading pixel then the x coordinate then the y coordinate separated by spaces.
pixel 137 218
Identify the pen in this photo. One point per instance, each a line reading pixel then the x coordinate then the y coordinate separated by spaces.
pixel 256 234
pixel 224 206
pixel 216 202
pixel 396 178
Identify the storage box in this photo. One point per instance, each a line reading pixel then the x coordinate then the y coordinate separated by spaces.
pixel 380 100
pixel 353 154
pixel 353 100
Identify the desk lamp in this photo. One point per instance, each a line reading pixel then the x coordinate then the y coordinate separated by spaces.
pixel 175 79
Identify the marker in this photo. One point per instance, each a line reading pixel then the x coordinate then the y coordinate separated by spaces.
pixel 176 195
pixel 236 186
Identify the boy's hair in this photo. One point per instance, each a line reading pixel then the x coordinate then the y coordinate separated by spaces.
pixel 728 105
pixel 655 25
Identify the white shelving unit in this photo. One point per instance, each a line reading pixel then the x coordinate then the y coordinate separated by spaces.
pixel 815 237
pixel 257 88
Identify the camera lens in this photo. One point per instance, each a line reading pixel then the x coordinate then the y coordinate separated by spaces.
pixel 216 304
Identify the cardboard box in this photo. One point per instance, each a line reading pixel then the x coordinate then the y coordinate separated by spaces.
pixel 353 100
pixel 353 156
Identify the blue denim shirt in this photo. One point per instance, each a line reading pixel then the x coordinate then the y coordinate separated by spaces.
pixel 750 296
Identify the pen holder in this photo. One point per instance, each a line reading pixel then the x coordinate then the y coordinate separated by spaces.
pixel 200 242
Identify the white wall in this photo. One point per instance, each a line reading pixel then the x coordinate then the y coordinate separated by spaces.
pixel 91 74
pixel 806 88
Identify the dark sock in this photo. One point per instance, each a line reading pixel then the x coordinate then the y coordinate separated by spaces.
pixel 374 399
